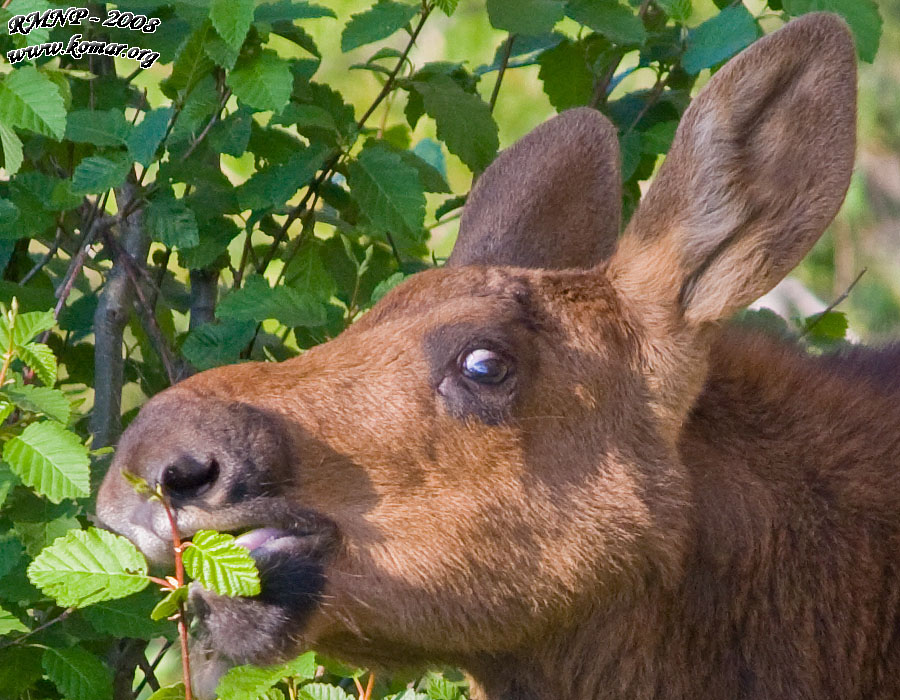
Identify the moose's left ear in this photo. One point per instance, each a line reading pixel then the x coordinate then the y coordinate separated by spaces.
pixel 552 200
pixel 758 168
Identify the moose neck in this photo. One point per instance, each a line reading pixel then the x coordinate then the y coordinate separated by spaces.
pixel 617 653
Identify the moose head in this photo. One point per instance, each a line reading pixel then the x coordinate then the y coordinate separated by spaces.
pixel 486 468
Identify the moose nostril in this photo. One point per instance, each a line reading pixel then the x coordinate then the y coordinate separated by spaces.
pixel 187 477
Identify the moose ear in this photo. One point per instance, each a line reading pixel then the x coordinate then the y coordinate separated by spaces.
pixel 552 200
pixel 758 168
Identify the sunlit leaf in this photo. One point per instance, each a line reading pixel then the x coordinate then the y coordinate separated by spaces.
pixel 41 359
pixel 10 623
pixel 40 399
pixel 168 606
pixel 172 692
pixel 30 100
pixel 219 564
pixel 89 566
pixel 51 460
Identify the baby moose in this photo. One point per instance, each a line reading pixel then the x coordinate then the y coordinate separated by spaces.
pixel 549 463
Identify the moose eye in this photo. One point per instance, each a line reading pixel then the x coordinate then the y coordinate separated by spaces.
pixel 484 366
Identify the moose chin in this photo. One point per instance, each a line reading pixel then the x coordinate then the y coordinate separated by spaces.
pixel 551 462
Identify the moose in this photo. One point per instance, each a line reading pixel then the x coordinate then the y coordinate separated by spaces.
pixel 551 462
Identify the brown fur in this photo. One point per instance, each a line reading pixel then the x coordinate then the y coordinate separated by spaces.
pixel 645 507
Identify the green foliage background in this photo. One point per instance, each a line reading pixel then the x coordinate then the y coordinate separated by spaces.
pixel 279 168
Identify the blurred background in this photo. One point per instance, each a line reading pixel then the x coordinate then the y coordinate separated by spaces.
pixel 865 235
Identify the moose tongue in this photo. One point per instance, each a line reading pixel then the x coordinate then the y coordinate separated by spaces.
pixel 254 539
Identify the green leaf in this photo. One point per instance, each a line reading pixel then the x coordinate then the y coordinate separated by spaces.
pixel 232 19
pixel 38 35
pixel 28 325
pixel 386 285
pixel 658 138
pixel 378 22
pixel 192 63
pixel 12 149
pixel 566 75
pixel 388 191
pixel 145 138
pixel 41 532
pixel 232 134
pixel 448 7
pixel 168 606
pixel 78 674
pixel 30 100
pixel 40 399
pixel 630 146
pixel 431 177
pixel 463 120
pixel 678 10
pixel 249 682
pixel 826 327
pixel 719 38
pixel 618 23
pixel 215 344
pixel 20 667
pixel 263 82
pixel 215 235
pixel 97 174
pixel 99 127
pixel 305 116
pixel 529 17
pixel 442 689
pixel 10 546
pixel 89 566
pixel 6 409
pixel 219 564
pixel 275 185
pixel 257 301
pixel 127 617
pixel 307 272
pixel 51 460
pixel 303 667
pixel 10 623
pixel 41 359
pixel 408 694
pixel 322 691
pixel 172 223
pixel 172 692
pixel 862 16
pixel 252 682
pixel 289 10
pixel 221 52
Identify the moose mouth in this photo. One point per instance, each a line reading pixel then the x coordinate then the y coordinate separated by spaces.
pixel 269 626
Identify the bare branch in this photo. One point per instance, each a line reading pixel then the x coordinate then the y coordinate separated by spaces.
pixel 204 291
pixel 507 51
pixel 602 85
pixel 113 310
pixel 135 272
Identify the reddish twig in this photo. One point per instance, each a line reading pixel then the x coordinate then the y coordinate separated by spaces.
pixel 178 548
